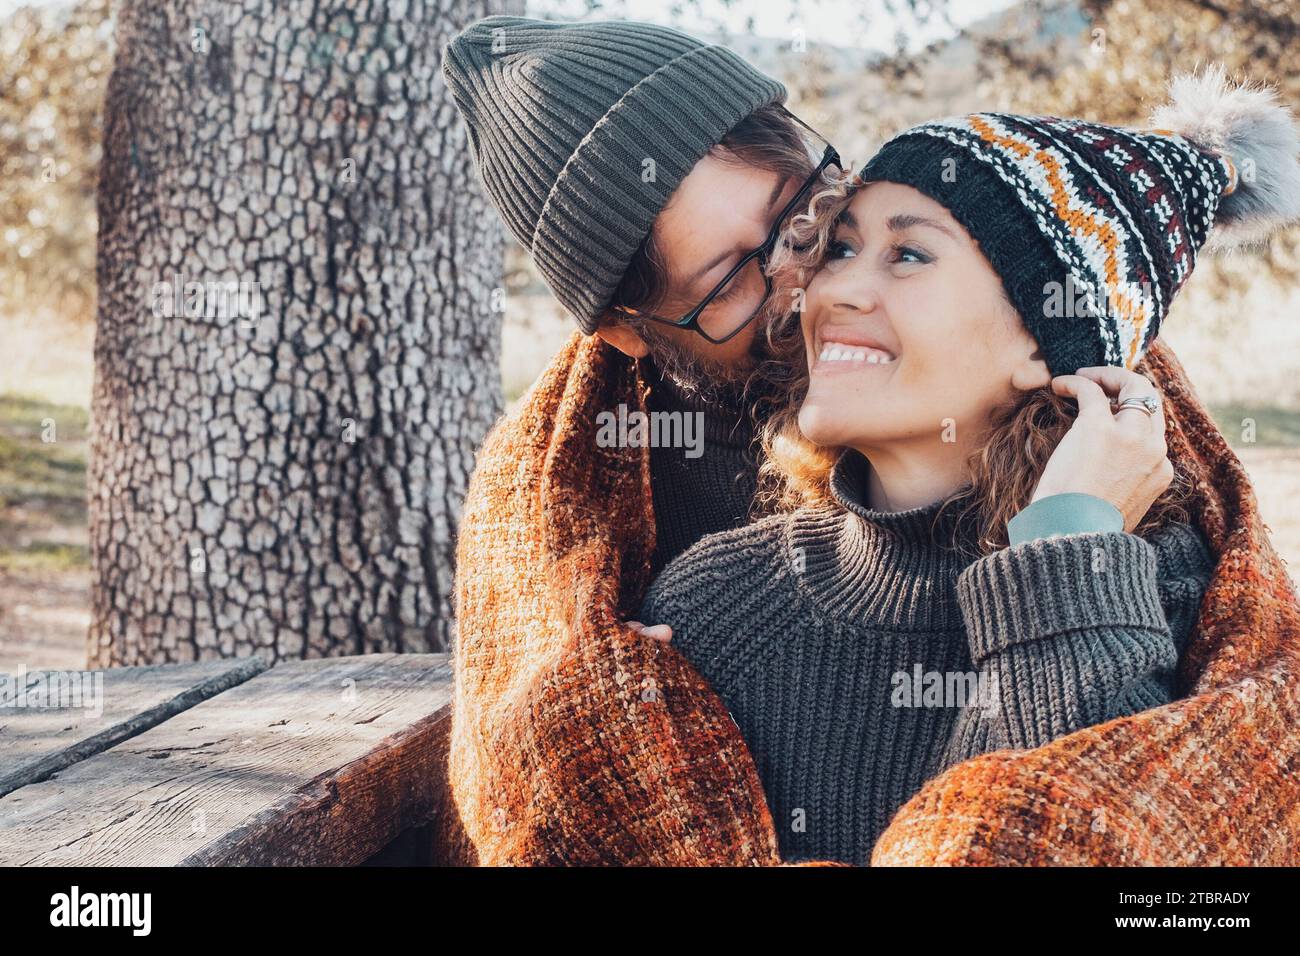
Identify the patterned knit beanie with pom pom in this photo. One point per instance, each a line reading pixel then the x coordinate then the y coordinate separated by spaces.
pixel 1093 229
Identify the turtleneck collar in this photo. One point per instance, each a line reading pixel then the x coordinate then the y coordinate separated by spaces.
pixel 915 526
pixel 894 569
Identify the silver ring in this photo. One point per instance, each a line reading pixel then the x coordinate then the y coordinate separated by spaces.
pixel 1147 403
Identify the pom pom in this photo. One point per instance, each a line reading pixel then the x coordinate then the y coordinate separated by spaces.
pixel 1257 134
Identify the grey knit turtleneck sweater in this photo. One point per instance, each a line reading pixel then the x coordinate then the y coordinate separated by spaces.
pixel 697 496
pixel 819 627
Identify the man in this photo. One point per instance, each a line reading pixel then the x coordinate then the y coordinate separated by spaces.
pixel 647 174
pixel 589 134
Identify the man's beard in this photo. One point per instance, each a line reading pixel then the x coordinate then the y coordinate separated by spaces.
pixel 701 378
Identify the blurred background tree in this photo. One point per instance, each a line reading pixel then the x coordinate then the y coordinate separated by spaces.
pixel 54 62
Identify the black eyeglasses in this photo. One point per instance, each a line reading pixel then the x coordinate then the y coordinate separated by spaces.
pixel 730 307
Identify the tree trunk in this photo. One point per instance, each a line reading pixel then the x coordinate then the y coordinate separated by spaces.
pixel 277 465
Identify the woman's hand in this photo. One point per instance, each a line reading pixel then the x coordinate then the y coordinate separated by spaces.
pixel 659 632
pixel 1119 457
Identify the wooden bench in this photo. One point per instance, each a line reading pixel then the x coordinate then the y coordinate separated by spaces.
pixel 338 761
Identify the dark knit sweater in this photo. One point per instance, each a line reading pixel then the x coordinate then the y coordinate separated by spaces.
pixel 697 496
pixel 818 627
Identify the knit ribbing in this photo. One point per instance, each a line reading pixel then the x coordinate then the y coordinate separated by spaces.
pixel 820 628
pixel 582 131
pixel 898 569
pixel 1061 584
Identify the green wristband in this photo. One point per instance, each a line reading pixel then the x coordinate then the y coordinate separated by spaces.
pixel 1068 513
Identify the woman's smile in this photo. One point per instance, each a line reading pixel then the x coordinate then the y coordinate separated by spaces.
pixel 843 349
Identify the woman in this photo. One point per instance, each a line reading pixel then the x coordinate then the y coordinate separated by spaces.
pixel 972 564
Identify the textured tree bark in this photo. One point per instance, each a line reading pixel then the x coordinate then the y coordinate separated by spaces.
pixel 277 466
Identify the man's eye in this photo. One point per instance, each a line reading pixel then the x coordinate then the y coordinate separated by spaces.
pixel 729 292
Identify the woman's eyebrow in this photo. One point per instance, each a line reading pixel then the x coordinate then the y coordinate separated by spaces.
pixel 905 220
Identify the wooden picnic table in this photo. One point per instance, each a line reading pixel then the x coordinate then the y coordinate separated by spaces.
pixel 337 761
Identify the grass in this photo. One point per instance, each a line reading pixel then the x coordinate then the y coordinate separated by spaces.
pixel 42 485
pixel 1273 427
pixel 45 556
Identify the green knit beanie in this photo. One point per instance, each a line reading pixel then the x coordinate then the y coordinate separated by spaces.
pixel 582 131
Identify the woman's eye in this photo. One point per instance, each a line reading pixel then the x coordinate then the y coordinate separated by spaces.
pixel 910 254
pixel 839 249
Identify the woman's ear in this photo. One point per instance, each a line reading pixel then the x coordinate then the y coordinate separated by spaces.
pixel 624 339
pixel 1031 372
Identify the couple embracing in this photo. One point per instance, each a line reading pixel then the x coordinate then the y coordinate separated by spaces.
pixel 964 573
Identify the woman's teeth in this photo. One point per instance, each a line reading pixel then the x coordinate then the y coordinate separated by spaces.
pixel 849 353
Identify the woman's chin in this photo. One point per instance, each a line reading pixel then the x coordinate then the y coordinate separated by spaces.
pixel 824 424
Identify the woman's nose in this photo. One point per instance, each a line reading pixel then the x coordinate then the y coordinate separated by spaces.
pixel 855 290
